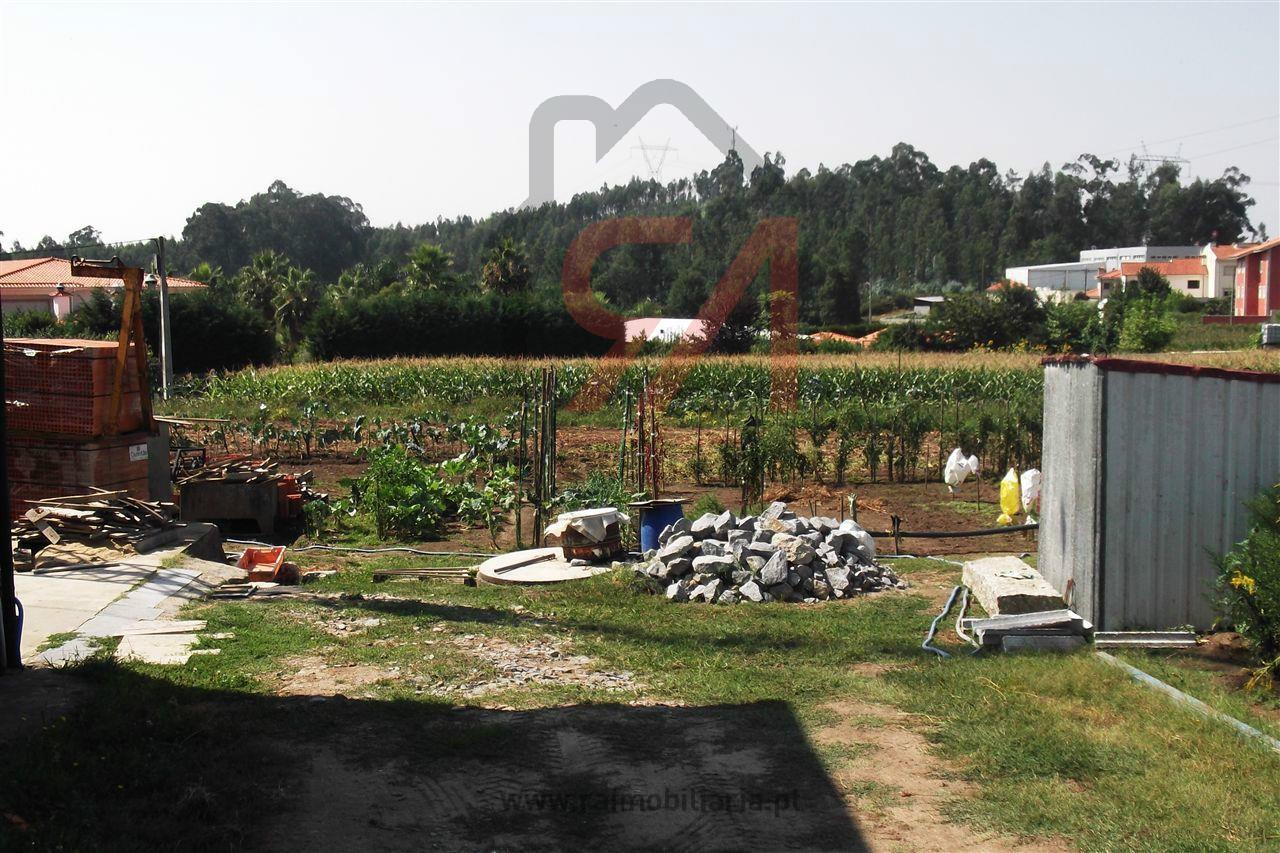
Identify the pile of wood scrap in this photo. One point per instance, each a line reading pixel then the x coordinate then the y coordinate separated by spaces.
pixel 234 469
pixel 450 574
pixel 98 519
pixel 244 469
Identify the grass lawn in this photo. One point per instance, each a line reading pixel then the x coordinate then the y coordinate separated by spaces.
pixel 231 751
pixel 1193 333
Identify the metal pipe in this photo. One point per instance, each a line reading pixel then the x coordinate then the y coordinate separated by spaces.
pixel 1192 703
pixel 950 534
pixel 10 655
pixel 927 645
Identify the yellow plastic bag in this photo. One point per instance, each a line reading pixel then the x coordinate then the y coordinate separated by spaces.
pixel 1010 497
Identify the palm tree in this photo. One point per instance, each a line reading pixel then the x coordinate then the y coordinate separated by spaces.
pixel 298 296
pixel 430 267
pixel 207 274
pixel 259 283
pixel 506 269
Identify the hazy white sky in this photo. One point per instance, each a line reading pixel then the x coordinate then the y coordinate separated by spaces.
pixel 127 117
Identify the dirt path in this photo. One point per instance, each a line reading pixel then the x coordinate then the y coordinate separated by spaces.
pixel 899 790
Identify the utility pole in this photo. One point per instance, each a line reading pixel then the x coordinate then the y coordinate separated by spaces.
pixel 10 637
pixel 655 171
pixel 166 339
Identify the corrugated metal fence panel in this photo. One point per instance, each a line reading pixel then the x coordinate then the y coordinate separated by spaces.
pixel 1181 454
pixel 1071 463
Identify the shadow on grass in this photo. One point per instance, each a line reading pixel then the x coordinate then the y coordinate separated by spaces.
pixel 144 763
pixel 881 626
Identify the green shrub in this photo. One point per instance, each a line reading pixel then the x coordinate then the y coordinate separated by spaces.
pixel 600 489
pixel 703 505
pixel 1146 327
pixel 1010 317
pixel 1183 303
pixel 406 496
pixel 432 322
pixel 1071 326
pixel 411 498
pixel 1248 585
pixel 211 330
pixel 31 324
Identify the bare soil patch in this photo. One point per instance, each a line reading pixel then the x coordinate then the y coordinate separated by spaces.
pixel 900 790
pixel 545 661
pixel 314 676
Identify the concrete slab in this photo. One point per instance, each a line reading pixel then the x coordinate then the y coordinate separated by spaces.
pixel 58 602
pixel 69 652
pixel 157 648
pixel 165 626
pixel 1007 585
pixel 109 600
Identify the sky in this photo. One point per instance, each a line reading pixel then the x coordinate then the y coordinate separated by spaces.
pixel 128 117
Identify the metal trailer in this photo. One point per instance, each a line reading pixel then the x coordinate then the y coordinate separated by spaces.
pixel 1146 467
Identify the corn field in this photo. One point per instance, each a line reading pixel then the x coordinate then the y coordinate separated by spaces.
pixel 713 384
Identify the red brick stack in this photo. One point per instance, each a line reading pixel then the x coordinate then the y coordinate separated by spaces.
pixel 57 404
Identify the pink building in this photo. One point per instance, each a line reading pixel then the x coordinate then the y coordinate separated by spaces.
pixel 1258 280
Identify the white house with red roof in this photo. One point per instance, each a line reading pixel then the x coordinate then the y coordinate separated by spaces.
pixel 1220 264
pixel 46 284
pixel 1185 275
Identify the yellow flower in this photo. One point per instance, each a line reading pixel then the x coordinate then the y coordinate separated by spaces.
pixel 1244 582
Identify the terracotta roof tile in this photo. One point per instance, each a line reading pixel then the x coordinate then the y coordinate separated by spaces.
pixel 43 272
pixel 1178 266
pixel 1257 247
pixel 1229 251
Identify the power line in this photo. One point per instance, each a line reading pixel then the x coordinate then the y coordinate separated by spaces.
pixel 26 253
pixel 1236 147
pixel 1195 134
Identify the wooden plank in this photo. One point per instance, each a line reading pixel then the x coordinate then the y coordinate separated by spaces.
pixel 78 499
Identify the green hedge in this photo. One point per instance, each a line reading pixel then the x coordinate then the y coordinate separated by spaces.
pixel 395 322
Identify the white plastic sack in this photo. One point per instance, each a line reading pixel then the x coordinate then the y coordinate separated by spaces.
pixel 591 523
pixel 958 468
pixel 1031 480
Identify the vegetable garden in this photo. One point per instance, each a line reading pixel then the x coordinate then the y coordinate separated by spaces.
pixel 458 429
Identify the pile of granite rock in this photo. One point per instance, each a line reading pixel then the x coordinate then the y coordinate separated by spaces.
pixel 776 556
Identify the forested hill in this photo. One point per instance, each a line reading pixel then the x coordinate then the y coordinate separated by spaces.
pixel 899 220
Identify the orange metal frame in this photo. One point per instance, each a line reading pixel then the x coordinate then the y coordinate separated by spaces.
pixel 130 332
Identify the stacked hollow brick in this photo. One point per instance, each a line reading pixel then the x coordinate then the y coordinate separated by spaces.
pixel 57 405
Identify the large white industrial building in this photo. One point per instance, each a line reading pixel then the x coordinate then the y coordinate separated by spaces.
pixel 1070 280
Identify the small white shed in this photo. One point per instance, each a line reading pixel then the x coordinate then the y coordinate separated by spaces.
pixel 923 305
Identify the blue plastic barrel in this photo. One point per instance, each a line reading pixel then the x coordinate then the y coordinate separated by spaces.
pixel 654 516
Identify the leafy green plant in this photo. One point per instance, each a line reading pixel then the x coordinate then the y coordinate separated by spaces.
pixel 406 496
pixel 409 497
pixel 1146 326
pixel 704 504
pixel 598 490
pixel 1248 584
